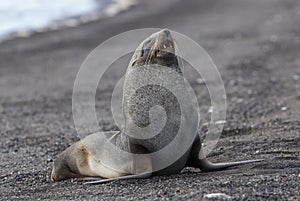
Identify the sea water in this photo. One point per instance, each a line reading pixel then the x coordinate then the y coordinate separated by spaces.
pixel 18 15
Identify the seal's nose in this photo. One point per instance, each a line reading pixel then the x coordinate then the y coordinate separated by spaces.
pixel 165 33
pixel 164 42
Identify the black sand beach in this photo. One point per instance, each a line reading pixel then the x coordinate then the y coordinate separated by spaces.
pixel 256 46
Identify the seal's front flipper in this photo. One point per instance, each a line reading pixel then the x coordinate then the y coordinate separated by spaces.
pixel 140 166
pixel 139 176
pixel 197 159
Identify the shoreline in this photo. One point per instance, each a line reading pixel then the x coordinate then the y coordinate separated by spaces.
pixel 32 55
pixel 110 9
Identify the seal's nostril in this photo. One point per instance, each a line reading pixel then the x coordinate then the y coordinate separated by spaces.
pixel 167 32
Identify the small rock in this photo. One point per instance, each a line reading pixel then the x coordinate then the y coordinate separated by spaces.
pixel 220 122
pixel 240 100
pixel 295 77
pixel 200 81
pixel 216 196
pixel 284 108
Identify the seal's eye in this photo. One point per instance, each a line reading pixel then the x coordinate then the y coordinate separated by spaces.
pixel 156 52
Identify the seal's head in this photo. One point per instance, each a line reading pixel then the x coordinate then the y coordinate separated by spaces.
pixel 70 163
pixel 159 48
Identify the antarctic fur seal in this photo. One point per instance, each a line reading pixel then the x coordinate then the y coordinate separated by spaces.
pixel 78 161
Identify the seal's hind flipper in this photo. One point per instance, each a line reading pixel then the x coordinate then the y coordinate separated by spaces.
pixel 207 166
pixel 198 160
pixel 139 176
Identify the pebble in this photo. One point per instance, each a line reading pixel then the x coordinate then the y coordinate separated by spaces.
pixel 295 77
pixel 200 81
pixel 220 122
pixel 216 196
pixel 240 100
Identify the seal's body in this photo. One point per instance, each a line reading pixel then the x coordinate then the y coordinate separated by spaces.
pixel 154 80
pixel 156 55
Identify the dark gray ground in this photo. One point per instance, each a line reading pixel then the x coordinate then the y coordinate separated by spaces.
pixel 256 46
